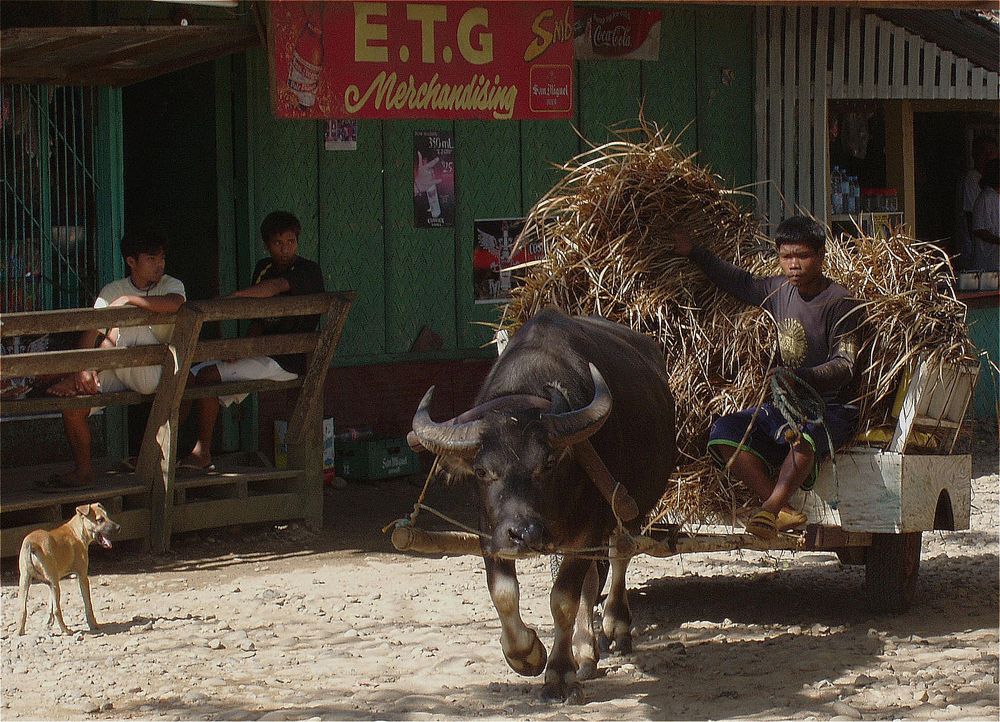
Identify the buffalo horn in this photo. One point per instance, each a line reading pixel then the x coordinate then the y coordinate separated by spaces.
pixel 445 439
pixel 573 427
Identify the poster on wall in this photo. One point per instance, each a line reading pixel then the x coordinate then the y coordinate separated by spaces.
pixel 433 179
pixel 494 255
pixel 490 60
pixel 616 34
pixel 341 135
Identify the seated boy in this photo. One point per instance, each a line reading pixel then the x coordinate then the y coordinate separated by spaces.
pixel 816 323
pixel 148 287
pixel 282 272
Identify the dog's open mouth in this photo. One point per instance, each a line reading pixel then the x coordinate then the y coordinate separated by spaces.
pixel 103 541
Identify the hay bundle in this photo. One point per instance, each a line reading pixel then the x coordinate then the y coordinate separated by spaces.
pixel 606 228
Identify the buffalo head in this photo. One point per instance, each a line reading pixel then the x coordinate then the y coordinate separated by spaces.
pixel 515 454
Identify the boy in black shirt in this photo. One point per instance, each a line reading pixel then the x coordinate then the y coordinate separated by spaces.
pixel 283 272
pixel 816 320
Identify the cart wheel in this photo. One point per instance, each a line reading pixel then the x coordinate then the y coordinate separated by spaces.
pixel 891 569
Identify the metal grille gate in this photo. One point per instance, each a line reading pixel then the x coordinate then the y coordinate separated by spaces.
pixel 50 188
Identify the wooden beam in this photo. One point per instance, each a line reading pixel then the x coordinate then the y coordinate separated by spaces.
pixel 78 319
pixel 230 348
pixel 158 454
pixel 240 387
pixel 305 428
pixel 62 362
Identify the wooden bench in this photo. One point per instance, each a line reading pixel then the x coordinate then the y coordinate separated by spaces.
pixel 151 501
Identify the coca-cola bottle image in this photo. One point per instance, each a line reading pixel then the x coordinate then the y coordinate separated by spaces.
pixel 307 60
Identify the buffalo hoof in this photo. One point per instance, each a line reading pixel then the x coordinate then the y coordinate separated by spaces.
pixel 560 692
pixel 621 645
pixel 603 644
pixel 531 664
pixel 587 670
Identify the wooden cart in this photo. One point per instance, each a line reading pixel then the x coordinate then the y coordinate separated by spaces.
pixel 871 509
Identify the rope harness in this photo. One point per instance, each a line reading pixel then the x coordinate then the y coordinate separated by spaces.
pixel 800 404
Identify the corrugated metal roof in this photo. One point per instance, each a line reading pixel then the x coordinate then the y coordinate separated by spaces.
pixel 974 35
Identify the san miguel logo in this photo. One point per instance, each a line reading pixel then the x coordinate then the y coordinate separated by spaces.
pixel 488 60
pixel 621 34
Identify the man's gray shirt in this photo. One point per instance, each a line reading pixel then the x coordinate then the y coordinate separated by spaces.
pixel 815 335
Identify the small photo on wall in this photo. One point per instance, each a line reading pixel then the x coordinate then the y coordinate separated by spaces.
pixel 341 135
pixel 495 253
pixel 433 179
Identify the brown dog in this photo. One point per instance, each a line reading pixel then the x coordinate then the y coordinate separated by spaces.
pixel 49 556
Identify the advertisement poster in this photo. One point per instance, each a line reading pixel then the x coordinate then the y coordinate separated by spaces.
pixel 341 135
pixel 491 60
pixel 433 179
pixel 493 256
pixel 617 34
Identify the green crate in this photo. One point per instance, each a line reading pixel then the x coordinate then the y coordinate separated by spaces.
pixel 373 459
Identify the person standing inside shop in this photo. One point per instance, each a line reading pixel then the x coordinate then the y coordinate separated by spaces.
pixel 984 149
pixel 986 220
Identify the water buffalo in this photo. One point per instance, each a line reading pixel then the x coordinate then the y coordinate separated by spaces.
pixel 561 382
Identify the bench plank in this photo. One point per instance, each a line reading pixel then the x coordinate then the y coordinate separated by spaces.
pixel 63 362
pixel 38 323
pixel 104 488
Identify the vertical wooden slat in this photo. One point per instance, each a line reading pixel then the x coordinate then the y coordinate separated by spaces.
pixel 774 117
pixel 884 52
pixel 839 17
pixel 913 65
pixel 761 38
pixel 804 95
pixel 896 83
pixel 978 90
pixel 870 62
pixel 819 120
pixel 992 85
pixel 853 57
pixel 929 83
pixel 962 78
pixel 788 136
pixel 946 89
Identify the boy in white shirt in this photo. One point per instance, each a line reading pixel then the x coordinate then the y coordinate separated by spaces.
pixel 147 287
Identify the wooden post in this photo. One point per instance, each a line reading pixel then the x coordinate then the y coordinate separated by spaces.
pixel 158 456
pixel 305 428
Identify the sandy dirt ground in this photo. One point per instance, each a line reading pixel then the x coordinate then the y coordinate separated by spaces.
pixel 278 623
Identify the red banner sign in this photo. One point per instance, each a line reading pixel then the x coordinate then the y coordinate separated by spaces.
pixel 456 60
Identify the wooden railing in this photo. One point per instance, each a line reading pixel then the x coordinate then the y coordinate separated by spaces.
pixel 156 466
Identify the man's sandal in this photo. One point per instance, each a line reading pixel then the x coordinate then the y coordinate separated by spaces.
pixel 789 519
pixel 763 525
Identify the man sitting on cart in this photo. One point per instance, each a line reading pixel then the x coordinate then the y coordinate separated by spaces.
pixel 816 323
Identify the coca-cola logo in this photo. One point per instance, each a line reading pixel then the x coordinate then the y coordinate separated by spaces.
pixel 617 32
pixel 619 36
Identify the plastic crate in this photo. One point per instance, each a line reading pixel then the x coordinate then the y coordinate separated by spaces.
pixel 374 459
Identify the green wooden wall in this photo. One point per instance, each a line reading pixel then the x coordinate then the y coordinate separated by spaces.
pixel 356 207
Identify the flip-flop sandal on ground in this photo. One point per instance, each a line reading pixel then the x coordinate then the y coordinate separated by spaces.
pixel 763 525
pixel 56 484
pixel 789 519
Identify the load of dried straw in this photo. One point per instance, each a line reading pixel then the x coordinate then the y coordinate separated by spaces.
pixel 606 229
